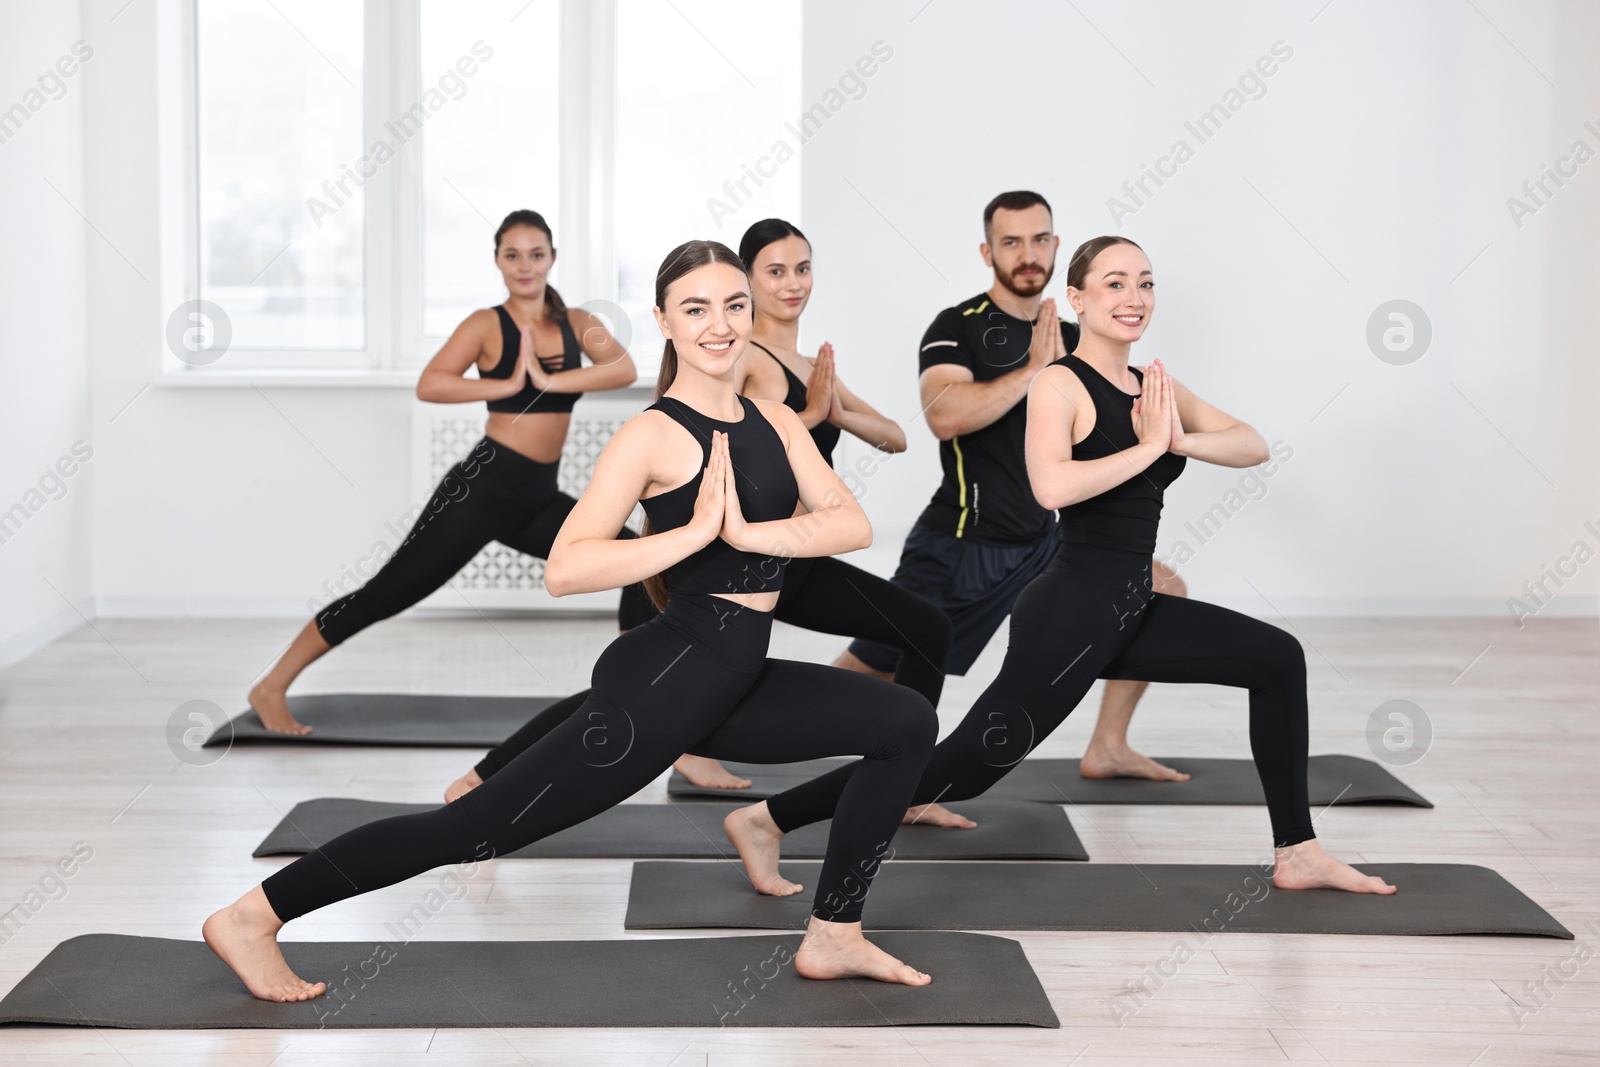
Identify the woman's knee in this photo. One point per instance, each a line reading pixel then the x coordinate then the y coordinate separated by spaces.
pixel 1282 654
pixel 913 721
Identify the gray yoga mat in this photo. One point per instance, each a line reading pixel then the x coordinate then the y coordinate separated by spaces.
pixel 1007 829
pixel 1433 898
pixel 154 983
pixel 417 719
pixel 1330 779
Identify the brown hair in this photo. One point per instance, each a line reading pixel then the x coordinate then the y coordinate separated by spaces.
pixel 1078 265
pixel 555 309
pixel 1016 200
pixel 689 256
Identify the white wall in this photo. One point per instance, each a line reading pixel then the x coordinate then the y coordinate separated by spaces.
pixel 46 577
pixel 1390 140
pixel 215 500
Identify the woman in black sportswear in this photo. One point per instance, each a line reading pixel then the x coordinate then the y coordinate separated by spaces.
pixel 720 477
pixel 529 353
pixel 1104 441
pixel 819 593
pixel 779 257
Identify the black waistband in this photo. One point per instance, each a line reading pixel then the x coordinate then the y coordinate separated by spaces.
pixel 733 633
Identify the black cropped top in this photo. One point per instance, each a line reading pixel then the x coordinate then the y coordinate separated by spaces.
pixel 767 491
pixel 824 433
pixel 530 400
pixel 1126 515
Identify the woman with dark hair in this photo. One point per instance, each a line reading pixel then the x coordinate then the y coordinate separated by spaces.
pixel 529 354
pixel 733 488
pixel 779 258
pixel 1104 440
pixel 819 593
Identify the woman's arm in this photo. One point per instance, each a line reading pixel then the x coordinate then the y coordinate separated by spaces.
pixel 1212 436
pixel 829 520
pixel 1057 401
pixel 443 381
pixel 852 413
pixel 587 556
pixel 611 366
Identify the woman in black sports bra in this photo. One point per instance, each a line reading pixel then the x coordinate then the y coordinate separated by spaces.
pixel 733 487
pixel 1104 441
pixel 779 258
pixel 819 593
pixel 529 354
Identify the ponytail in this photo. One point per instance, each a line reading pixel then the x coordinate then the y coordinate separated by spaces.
pixel 555 309
pixel 655 586
pixel 669 370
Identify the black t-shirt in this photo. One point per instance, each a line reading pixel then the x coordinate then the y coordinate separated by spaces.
pixel 985 496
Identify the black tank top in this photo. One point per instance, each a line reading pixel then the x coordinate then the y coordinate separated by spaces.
pixel 767 491
pixel 824 433
pixel 530 400
pixel 1126 515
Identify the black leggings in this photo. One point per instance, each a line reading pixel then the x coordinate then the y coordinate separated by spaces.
pixel 494 494
pixel 822 594
pixel 1091 615
pixel 696 678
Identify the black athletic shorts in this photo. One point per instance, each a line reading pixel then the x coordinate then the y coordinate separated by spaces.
pixel 974 583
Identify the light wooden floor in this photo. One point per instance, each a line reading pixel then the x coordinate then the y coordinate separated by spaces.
pixel 84 757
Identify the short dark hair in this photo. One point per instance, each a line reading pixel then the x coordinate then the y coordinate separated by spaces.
pixel 1016 200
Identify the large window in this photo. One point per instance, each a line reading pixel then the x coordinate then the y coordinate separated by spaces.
pixel 279 95
pixel 353 158
pixel 491 150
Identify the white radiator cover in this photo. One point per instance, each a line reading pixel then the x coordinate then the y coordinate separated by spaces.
pixel 499 578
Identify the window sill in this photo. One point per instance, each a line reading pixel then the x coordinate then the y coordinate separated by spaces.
pixel 287 377
pixel 340 378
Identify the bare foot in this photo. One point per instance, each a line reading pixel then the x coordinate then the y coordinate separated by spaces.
pixel 708 773
pixel 1306 866
pixel 837 950
pixel 465 784
pixel 245 937
pixel 1101 762
pixel 756 836
pixel 272 706
pixel 936 815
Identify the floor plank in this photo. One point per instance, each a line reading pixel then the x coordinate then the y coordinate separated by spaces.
pixel 85 757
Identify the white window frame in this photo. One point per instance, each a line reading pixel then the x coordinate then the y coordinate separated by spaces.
pixel 396 347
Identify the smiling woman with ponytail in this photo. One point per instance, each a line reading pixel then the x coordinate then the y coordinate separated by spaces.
pixel 824 594
pixel 529 353
pixel 733 488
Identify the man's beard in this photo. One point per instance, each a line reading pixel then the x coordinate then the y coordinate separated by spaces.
pixel 1032 285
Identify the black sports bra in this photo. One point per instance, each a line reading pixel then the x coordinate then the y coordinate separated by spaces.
pixel 529 400
pixel 1126 515
pixel 824 433
pixel 766 488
